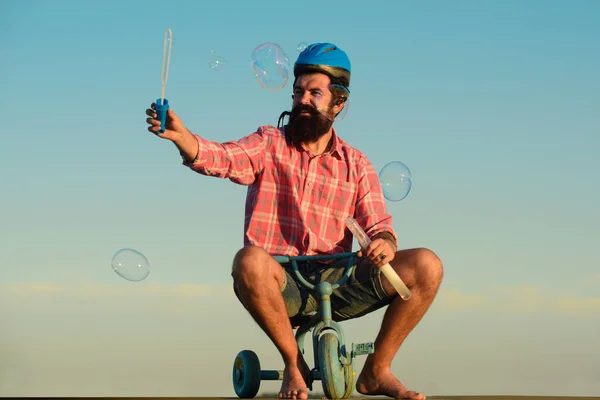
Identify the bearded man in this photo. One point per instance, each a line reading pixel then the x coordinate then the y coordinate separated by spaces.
pixel 303 181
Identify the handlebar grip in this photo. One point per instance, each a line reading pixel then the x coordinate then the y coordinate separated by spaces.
pixel 282 259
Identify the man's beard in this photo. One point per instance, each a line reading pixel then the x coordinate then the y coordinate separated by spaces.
pixel 303 128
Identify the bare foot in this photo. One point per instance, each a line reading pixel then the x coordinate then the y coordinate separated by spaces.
pixel 294 382
pixel 384 383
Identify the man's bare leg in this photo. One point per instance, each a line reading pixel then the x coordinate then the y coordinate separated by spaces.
pixel 258 279
pixel 422 272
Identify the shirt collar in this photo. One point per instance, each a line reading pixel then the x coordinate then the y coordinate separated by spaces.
pixel 336 145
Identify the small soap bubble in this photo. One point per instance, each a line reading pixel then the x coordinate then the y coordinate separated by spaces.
pixel 130 264
pixel 301 47
pixel 215 61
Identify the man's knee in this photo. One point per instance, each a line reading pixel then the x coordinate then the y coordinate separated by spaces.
pixel 251 265
pixel 419 266
pixel 247 262
pixel 428 266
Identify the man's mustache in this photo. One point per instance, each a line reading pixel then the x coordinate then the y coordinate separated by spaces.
pixel 302 108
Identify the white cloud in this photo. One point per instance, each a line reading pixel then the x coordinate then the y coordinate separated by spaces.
pixel 122 298
pixel 31 287
pixel 184 290
pixel 522 299
pixel 575 305
pixel 455 299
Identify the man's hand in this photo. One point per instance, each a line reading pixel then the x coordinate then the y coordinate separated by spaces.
pixel 174 128
pixel 175 131
pixel 380 252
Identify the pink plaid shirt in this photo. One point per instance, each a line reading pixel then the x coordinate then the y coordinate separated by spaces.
pixel 297 203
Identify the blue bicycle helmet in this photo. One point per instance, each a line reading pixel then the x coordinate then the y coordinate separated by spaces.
pixel 326 58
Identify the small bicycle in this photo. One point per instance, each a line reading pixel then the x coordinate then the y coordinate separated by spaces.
pixel 334 364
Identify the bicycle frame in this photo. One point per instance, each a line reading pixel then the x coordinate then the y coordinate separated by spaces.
pixel 322 320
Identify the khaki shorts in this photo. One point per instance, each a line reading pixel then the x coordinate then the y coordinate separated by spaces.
pixel 353 299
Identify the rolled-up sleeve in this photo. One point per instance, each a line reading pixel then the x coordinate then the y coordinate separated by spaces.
pixel 239 161
pixel 371 211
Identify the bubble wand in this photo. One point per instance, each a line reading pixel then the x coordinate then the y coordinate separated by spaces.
pixel 387 269
pixel 162 104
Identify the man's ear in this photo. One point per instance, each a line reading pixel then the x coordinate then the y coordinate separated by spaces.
pixel 338 106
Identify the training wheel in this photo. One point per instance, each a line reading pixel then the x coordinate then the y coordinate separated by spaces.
pixel 246 374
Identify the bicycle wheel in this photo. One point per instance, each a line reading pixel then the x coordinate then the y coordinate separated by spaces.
pixel 332 371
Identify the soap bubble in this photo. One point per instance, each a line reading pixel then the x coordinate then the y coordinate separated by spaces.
pixel 396 180
pixel 340 96
pixel 270 66
pixel 216 62
pixel 301 47
pixel 130 264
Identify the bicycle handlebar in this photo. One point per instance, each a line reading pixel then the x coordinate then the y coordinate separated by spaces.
pixel 294 261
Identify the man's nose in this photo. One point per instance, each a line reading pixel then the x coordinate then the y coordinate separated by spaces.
pixel 305 99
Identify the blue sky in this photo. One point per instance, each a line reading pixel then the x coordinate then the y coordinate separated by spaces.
pixel 493 106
